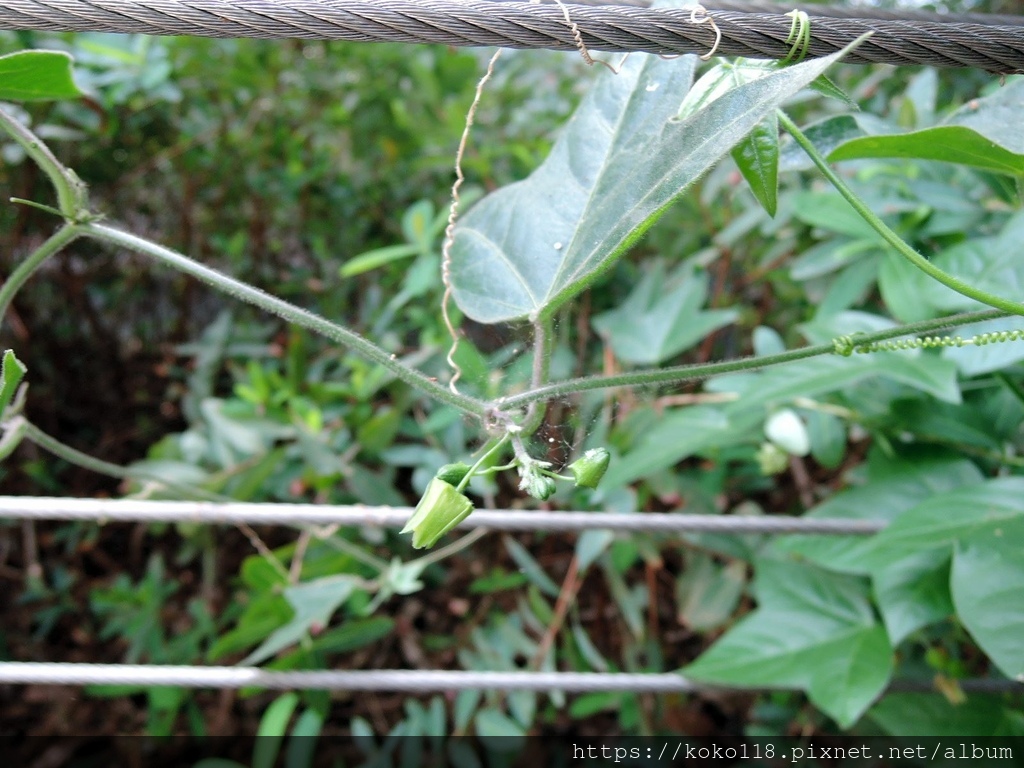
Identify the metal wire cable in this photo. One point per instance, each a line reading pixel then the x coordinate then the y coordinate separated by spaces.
pixel 845 11
pixel 993 47
pixel 147 511
pixel 55 673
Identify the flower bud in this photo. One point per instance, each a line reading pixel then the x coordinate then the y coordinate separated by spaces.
pixel 771 459
pixel 441 509
pixel 453 474
pixel 590 467
pixel 537 485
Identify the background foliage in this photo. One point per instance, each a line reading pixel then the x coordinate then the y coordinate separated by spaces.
pixel 321 172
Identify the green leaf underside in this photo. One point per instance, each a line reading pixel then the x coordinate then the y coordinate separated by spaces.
pixel 622 159
pixel 36 76
pixel 984 134
pixel 813 631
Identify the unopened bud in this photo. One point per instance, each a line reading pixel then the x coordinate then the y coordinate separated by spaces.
pixel 441 509
pixel 537 485
pixel 590 467
pixel 453 474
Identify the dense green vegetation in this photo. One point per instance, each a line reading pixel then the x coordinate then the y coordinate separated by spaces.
pixel 321 172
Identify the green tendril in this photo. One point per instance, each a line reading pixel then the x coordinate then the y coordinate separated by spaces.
pixel 847 345
pixel 799 36
pixel 843 345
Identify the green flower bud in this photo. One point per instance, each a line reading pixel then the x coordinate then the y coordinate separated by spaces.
pixel 537 485
pixel 590 467
pixel 453 473
pixel 441 509
pixel 771 459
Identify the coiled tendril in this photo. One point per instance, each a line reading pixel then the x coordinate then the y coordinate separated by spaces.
pixel 847 345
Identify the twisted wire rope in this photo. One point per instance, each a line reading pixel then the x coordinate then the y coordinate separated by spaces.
pixel 992 46
pixel 411 681
pixel 147 511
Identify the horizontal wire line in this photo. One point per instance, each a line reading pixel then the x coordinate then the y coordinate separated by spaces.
pixel 148 511
pixel 762 33
pixel 57 673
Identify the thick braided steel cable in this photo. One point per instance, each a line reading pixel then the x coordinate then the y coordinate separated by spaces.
pixel 148 511
pixel 58 673
pixel 849 11
pixel 996 48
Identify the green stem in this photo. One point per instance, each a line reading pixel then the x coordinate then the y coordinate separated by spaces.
pixel 71 193
pixel 76 457
pixel 447 551
pixel 684 373
pixel 889 235
pixel 541 366
pixel 289 312
pixel 24 270
pixel 464 483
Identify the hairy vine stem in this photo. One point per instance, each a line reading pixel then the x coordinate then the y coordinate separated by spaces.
pixel 62 237
pixel 684 373
pixel 286 311
pixel 919 261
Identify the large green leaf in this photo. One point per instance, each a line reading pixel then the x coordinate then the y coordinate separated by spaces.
pixel 891 487
pixel 912 590
pixel 678 434
pixel 36 76
pixel 622 159
pixel 812 630
pixel 988 591
pixel 985 134
pixel 946 518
